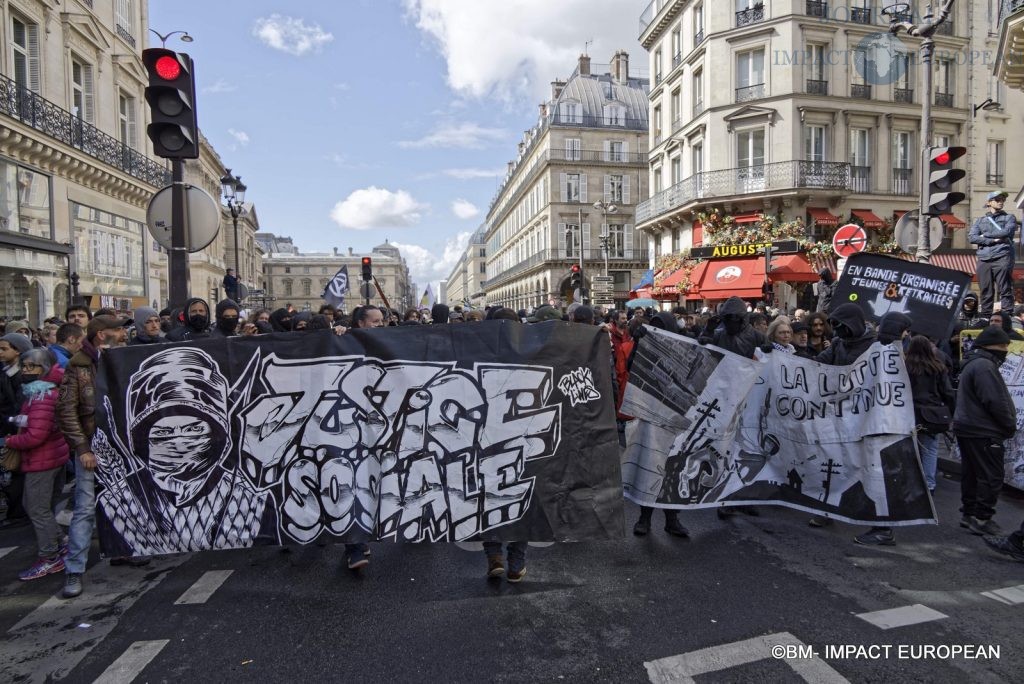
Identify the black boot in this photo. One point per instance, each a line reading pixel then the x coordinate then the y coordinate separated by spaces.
pixel 673 526
pixel 643 525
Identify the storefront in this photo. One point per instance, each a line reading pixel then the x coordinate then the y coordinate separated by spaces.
pixel 715 280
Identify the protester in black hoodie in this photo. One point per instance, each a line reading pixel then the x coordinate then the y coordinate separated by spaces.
pixel 736 334
pixel 281 320
pixel 852 336
pixel 197 322
pixel 227 319
pixel 439 314
pixel 826 288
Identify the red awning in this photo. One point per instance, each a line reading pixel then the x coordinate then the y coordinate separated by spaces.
pixel 953 222
pixel 869 219
pixel 747 218
pixel 673 279
pixel 822 217
pixel 898 214
pixel 698 273
pixel 968 263
pixel 792 268
pixel 724 278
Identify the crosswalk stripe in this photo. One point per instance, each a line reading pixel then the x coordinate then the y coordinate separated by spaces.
pixel 6 550
pixel 41 647
pixel 901 617
pixel 1010 595
pixel 132 662
pixel 203 589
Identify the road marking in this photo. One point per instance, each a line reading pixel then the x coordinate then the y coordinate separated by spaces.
pixel 6 550
pixel 203 589
pixel 42 647
pixel 902 617
pixel 681 669
pixel 132 662
pixel 1011 596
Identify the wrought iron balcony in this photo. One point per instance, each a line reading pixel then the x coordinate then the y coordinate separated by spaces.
pixel 560 118
pixel 860 179
pixel 817 8
pixel 657 78
pixel 698 38
pixel 860 91
pixel 698 108
pixel 750 16
pixel 943 99
pixel 125 35
pixel 751 92
pixel 760 178
pixel 860 15
pixel 677 59
pixel 903 182
pixel 904 95
pixel 816 87
pixel 994 179
pixel 39 113
pixel 610 156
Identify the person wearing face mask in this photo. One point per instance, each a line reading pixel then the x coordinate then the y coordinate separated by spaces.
pixel 300 321
pixel 985 417
pixel 281 320
pixel 147 326
pixel 43 455
pixel 76 417
pixel 969 316
pixel 894 327
pixel 197 322
pixel 736 334
pixel 227 319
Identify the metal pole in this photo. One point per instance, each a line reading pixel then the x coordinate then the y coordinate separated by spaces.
pixel 178 258
pixel 924 247
pixel 583 285
pixel 238 264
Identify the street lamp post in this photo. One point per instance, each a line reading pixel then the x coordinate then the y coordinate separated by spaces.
pixel 925 30
pixel 234 198
pixel 185 38
pixel 605 236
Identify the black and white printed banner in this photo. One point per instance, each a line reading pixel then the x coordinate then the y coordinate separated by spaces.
pixel 490 431
pixel 716 429
pixel 930 295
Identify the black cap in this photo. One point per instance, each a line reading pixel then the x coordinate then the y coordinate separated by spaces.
pixel 991 336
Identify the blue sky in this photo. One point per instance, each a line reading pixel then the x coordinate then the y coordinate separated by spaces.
pixel 352 121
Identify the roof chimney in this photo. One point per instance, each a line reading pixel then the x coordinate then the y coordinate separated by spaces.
pixel 620 67
pixel 350 251
pixel 556 89
pixel 543 111
pixel 584 68
pixel 335 251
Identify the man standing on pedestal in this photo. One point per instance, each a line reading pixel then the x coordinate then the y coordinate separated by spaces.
pixel 994 234
pixel 231 285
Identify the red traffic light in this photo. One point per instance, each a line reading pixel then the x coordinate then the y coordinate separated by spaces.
pixel 943 158
pixel 575 268
pixel 367 261
pixel 167 68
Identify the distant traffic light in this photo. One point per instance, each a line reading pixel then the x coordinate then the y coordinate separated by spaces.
pixel 367 269
pixel 576 277
pixel 172 103
pixel 942 176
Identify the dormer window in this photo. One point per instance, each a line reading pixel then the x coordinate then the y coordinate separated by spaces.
pixel 571 112
pixel 614 115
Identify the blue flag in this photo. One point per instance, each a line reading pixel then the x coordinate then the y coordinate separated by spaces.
pixel 334 292
pixel 646 280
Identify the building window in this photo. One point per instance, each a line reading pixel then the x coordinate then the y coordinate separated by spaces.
pixel 616 151
pixel 750 160
pixel 657 65
pixel 305 269
pixel 614 192
pixel 572 187
pixel 307 287
pixel 616 241
pixel 676 110
pixel 483 252
pixel 614 115
pixel 995 163
pixel 817 83
pixel 750 75
pixel 24 201
pixel 287 269
pixel 572 149
pixel 110 252
pixel 902 172
pixel 571 112
pixel 698 91
pixel 126 119
pixel 572 240
pixel 904 86
pixel 860 159
pixel 25 47
pixel 698 24
pixel 697 154
pixel 945 82
pixel 675 241
pixel 288 287
pixel 656 125
pixel 124 21
pixel 82 91
pixel 676 169
pixel 814 143
pixel 656 179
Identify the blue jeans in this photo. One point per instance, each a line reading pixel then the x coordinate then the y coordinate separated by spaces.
pixel 83 522
pixel 516 553
pixel 928 446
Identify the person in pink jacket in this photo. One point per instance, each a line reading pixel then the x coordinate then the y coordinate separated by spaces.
pixel 43 455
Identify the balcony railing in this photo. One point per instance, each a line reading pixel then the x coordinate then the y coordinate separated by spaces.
pixel 657 78
pixel 750 16
pixel 677 59
pixel 609 156
pixel 817 87
pixel 860 179
pixel 993 179
pixel 567 257
pixel 903 181
pixel 904 95
pixel 698 38
pixel 1010 7
pixel 943 99
pixel 860 15
pixel 788 175
pixel 125 35
pixel 860 91
pixel 559 118
pixel 39 113
pixel 817 8
pixel 751 92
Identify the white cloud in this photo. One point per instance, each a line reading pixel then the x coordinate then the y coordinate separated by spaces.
pixel 342 86
pixel 466 135
pixel 240 136
pixel 464 209
pixel 290 35
pixel 515 48
pixel 469 174
pixel 375 207
pixel 427 267
pixel 221 86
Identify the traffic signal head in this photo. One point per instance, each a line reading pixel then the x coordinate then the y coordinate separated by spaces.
pixel 367 269
pixel 941 178
pixel 575 277
pixel 172 104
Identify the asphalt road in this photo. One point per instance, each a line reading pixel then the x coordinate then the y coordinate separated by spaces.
pixel 633 610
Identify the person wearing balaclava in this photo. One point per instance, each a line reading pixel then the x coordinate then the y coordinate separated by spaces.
pixel 984 419
pixel 300 320
pixel 894 326
pixel 969 316
pixel 197 322
pixel 736 334
pixel 439 314
pixel 281 320
pixel 826 288
pixel 226 323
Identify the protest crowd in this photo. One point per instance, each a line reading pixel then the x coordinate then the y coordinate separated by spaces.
pixel 48 398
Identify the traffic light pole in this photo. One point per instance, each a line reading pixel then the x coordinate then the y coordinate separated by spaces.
pixel 178 260
pixel 925 31
pixel 583 285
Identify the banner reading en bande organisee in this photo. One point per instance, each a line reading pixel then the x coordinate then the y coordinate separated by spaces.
pixel 716 429
pixel 490 431
pixel 930 295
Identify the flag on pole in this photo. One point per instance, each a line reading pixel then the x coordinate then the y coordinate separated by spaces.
pixel 334 292
pixel 427 300
pixel 646 280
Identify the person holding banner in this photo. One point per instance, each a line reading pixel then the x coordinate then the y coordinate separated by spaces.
pixel 985 417
pixel 994 233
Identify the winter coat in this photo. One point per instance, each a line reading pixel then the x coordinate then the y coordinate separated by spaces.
pixel 186 331
pixel 76 410
pixel 143 338
pixel 932 389
pixel 62 354
pixel 844 351
pixel 10 400
pixel 994 235
pixel 984 407
pixel 40 441
pixel 622 350
pixel 746 340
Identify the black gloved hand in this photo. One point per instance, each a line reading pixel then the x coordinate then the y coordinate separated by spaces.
pixel 768 348
pixel 704 339
pixel 640 332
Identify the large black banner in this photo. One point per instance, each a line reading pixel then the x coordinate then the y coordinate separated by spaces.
pixel 930 295
pixel 486 431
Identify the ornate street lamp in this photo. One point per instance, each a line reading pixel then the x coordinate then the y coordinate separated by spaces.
pixel 605 236
pixel 233 190
pixel 185 38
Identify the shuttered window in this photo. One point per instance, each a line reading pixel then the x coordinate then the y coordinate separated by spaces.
pixel 25 47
